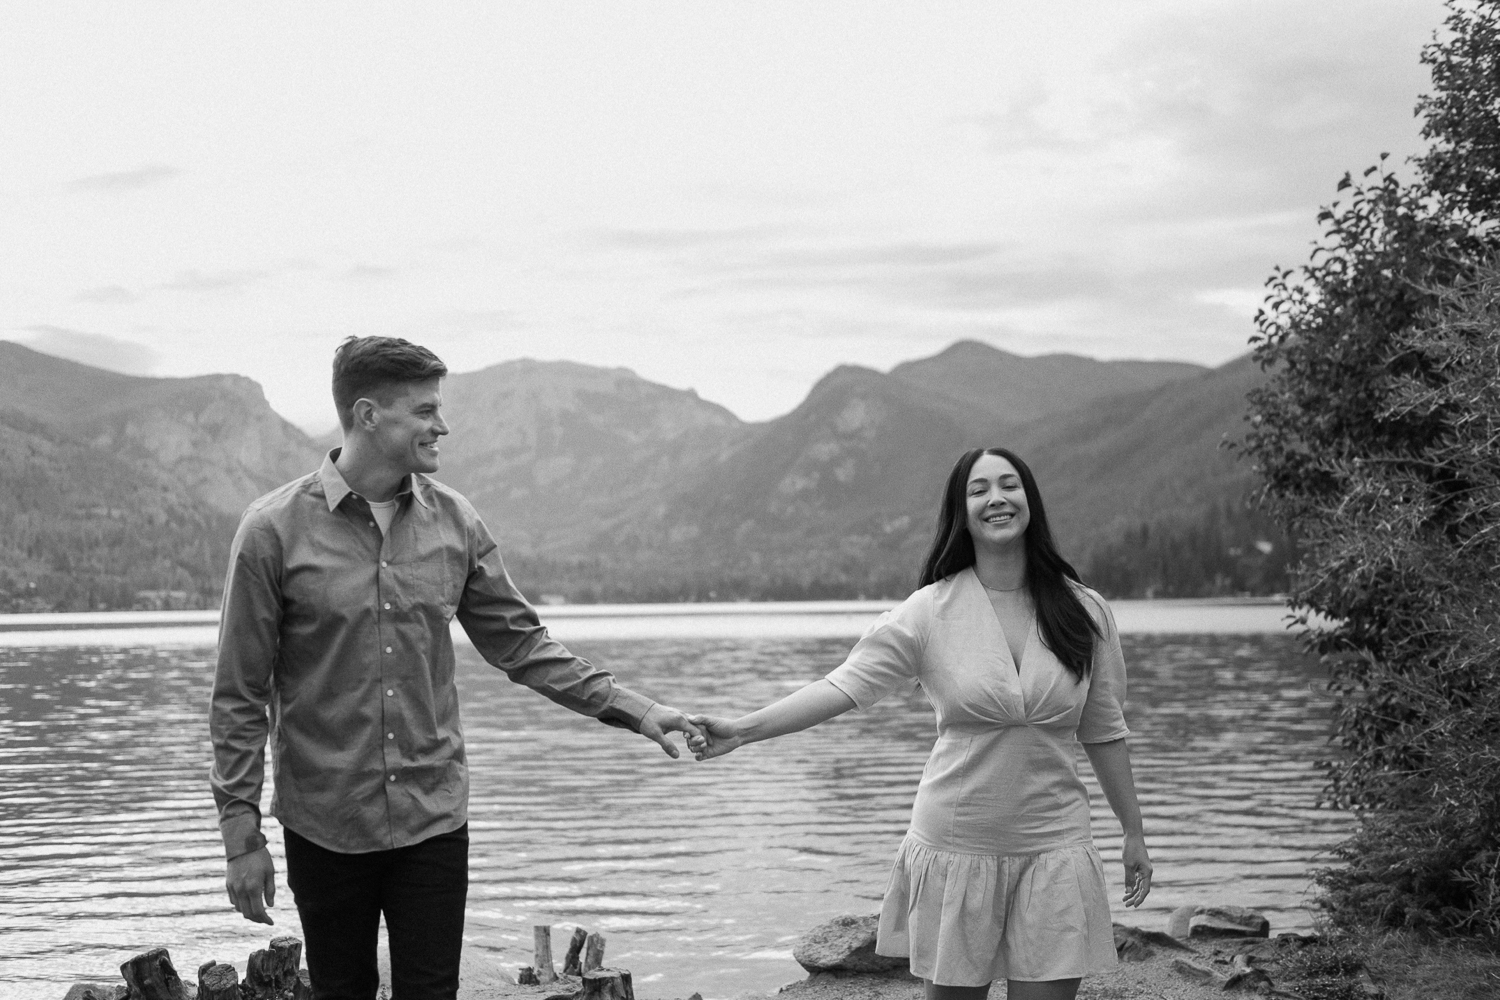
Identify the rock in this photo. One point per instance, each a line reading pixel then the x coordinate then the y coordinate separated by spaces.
pixel 1217 922
pixel 150 976
pixel 1134 945
pixel 97 991
pixel 218 982
pixel 843 944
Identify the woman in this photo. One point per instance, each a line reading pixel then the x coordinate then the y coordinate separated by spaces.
pixel 997 877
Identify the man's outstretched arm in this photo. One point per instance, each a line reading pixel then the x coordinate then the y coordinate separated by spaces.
pixel 504 627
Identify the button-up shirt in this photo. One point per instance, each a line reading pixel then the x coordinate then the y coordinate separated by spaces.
pixel 334 642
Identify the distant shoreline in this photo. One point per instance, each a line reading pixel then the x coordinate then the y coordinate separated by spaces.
pixel 77 620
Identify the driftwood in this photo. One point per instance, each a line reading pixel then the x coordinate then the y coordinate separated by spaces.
pixel 217 981
pixel 1197 973
pixel 606 984
pixel 541 935
pixel 572 965
pixel 150 976
pixel 1247 977
pixel 593 952
pixel 274 969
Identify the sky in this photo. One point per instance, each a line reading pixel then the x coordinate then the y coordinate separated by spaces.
pixel 728 197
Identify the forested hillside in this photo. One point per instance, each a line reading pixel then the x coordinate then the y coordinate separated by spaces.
pixel 121 491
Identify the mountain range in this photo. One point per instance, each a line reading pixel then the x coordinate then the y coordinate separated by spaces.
pixel 601 485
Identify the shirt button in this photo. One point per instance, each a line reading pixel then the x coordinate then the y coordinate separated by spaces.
pixel 387 649
pixel 388 605
pixel 390 692
pixel 390 736
pixel 384 563
pixel 393 777
pixel 372 524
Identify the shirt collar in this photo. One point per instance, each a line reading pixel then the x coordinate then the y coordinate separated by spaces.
pixel 335 489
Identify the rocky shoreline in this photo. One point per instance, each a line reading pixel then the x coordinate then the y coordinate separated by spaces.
pixel 1204 951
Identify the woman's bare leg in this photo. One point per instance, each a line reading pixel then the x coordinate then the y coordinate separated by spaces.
pixel 1057 989
pixel 936 992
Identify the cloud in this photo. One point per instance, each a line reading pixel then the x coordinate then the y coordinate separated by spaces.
pixel 125 180
pixel 369 272
pixel 109 295
pixel 690 239
pixel 193 280
pixel 95 349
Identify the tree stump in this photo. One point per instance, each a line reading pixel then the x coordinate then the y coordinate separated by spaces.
pixel 274 969
pixel 302 988
pixel 572 965
pixel 606 984
pixel 541 936
pixel 150 976
pixel 593 952
pixel 526 976
pixel 217 981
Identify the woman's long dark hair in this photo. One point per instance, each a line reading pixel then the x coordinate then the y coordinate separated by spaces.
pixel 1065 625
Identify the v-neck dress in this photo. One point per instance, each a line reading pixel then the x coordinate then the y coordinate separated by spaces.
pixel 997 877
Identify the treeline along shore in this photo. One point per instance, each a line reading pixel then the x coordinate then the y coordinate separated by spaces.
pixel 119 492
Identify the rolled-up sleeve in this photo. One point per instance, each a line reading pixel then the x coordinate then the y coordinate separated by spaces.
pixel 505 630
pixel 249 630
pixel 887 658
pixel 1103 716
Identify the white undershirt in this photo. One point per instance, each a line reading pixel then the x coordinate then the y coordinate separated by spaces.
pixel 383 513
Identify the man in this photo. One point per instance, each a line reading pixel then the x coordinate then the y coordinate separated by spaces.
pixel 334 642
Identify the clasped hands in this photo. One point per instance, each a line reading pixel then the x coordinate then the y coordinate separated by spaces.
pixel 706 735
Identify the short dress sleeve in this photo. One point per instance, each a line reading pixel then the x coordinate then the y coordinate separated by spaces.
pixel 887 658
pixel 1103 716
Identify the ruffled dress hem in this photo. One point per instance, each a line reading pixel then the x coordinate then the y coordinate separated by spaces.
pixel 970 919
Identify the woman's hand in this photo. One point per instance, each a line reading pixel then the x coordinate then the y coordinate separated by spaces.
pixel 1137 870
pixel 720 736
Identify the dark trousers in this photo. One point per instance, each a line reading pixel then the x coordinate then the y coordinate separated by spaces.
pixel 421 889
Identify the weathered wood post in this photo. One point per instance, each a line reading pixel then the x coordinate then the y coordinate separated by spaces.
pixel 218 981
pixel 572 965
pixel 606 984
pixel 593 952
pixel 274 969
pixel 541 936
pixel 150 976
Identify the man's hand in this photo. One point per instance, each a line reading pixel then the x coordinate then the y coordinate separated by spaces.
pixel 720 736
pixel 252 876
pixel 661 720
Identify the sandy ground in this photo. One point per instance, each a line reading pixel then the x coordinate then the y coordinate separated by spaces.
pixel 1152 979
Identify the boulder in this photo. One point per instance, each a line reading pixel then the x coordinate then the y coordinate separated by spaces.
pixel 1135 945
pixel 843 944
pixel 1217 922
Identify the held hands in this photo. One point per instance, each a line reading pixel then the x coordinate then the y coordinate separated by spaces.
pixel 660 720
pixel 250 877
pixel 719 736
pixel 1137 870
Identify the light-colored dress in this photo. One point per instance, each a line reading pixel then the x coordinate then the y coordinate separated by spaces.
pixel 997 877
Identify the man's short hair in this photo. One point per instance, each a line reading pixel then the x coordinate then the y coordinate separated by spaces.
pixel 377 368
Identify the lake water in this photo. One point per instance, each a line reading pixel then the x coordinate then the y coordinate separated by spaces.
pixel 701 876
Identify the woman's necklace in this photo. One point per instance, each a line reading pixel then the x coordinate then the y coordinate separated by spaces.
pixel 1002 590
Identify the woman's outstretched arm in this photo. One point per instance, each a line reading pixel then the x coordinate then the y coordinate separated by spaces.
pixel 1111 763
pixel 802 709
